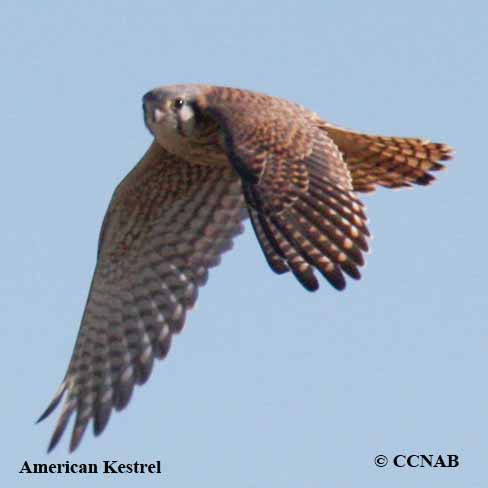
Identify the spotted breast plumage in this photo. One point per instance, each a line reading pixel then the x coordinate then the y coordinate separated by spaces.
pixel 220 155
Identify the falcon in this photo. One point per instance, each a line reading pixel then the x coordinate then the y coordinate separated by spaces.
pixel 220 155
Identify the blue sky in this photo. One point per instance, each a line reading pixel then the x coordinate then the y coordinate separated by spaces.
pixel 267 385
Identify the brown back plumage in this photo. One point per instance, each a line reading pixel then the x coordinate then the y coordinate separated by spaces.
pixel 296 184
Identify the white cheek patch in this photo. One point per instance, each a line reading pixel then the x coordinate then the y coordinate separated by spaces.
pixel 187 119
pixel 186 113
pixel 158 115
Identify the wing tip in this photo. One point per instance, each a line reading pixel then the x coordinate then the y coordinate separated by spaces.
pixel 310 283
pixel 60 427
pixel 77 435
pixel 54 402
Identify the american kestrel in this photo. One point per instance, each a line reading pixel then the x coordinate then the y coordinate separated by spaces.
pixel 218 156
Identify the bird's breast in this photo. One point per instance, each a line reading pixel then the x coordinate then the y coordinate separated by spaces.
pixel 206 150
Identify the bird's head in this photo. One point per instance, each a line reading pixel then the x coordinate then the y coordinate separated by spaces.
pixel 171 111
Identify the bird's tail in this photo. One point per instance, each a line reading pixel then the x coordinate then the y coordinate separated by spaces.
pixel 392 162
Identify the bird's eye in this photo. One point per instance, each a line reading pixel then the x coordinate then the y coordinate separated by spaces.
pixel 178 103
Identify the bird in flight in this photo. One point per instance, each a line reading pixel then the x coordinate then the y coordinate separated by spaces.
pixel 220 155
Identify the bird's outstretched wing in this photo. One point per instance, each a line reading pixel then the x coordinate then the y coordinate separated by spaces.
pixel 168 223
pixel 392 162
pixel 297 186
